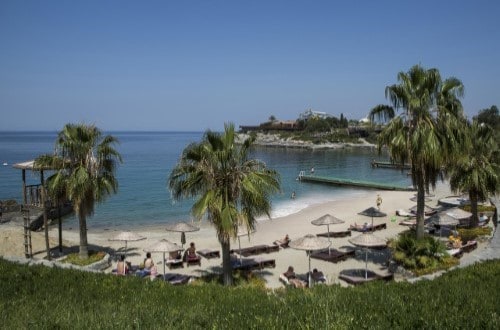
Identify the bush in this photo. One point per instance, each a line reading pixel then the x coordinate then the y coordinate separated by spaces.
pixel 473 233
pixel 74 258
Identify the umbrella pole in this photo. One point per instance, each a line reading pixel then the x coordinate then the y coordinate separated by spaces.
pixel 164 265
pixel 309 273
pixel 372 225
pixel 329 240
pixel 366 264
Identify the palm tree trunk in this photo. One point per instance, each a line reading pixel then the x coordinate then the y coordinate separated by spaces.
pixel 227 269
pixel 474 222
pixel 420 206
pixel 84 249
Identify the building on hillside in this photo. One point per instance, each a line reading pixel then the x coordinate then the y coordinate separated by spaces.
pixel 310 113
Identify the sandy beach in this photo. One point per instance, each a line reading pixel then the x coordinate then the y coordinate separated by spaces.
pixel 295 225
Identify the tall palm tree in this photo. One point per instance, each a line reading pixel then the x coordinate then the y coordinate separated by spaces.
pixel 85 163
pixel 230 188
pixel 426 131
pixel 476 169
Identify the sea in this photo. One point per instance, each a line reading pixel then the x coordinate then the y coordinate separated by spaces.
pixel 143 197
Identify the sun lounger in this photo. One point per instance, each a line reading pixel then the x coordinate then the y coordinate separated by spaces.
pixel 457 253
pixel 273 248
pixel 333 256
pixel 265 263
pixel 362 228
pixel 344 233
pixel 403 213
pixel 252 250
pixel 357 276
pixel 176 279
pixel 174 260
pixel 282 243
pixel 193 260
pixel 246 264
pixel 209 254
pixel 471 245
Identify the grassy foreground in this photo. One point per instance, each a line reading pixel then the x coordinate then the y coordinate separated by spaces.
pixel 43 297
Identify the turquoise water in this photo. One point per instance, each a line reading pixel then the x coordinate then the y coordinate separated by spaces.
pixel 143 197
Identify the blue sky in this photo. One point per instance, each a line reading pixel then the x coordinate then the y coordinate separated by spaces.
pixel 193 65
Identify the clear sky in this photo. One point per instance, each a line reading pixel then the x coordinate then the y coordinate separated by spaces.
pixel 193 65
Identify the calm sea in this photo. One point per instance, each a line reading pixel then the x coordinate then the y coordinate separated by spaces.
pixel 148 157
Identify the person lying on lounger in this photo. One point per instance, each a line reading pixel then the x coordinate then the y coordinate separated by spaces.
pixel 364 227
pixel 292 278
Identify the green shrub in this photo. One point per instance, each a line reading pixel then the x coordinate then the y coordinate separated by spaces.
pixel 480 208
pixel 74 258
pixel 473 233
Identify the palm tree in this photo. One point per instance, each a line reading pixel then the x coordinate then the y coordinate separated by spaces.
pixel 85 163
pixel 476 168
pixel 426 131
pixel 230 188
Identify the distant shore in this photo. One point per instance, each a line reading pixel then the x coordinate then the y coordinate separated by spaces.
pixel 275 141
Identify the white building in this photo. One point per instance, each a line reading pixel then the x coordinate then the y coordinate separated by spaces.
pixel 313 114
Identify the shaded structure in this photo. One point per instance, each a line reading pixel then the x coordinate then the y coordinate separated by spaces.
pixel 327 220
pixel 373 212
pixel 36 200
pixel 182 227
pixel 309 243
pixel 163 246
pixel 368 240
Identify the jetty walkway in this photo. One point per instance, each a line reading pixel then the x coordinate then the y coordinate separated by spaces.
pixel 352 183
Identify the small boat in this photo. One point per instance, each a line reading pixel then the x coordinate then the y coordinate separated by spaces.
pixel 5 164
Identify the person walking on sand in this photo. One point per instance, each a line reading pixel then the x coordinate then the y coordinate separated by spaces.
pixel 379 201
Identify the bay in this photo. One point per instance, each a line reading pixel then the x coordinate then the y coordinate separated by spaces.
pixel 143 197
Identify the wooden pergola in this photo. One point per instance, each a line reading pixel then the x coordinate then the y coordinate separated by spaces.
pixel 35 196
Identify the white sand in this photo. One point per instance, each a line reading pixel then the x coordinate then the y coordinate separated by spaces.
pixel 295 225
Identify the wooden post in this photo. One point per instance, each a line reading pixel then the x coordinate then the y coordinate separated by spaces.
pixel 45 217
pixel 25 197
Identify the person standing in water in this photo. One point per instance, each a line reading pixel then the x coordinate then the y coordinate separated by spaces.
pixel 379 201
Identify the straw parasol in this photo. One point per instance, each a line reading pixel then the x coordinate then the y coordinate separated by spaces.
pixel 163 246
pixel 182 227
pixel 327 220
pixel 444 219
pixel 127 236
pixel 367 240
pixel 309 243
pixel 373 212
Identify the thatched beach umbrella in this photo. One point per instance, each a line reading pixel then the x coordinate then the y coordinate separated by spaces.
pixel 373 212
pixel 309 243
pixel 182 227
pixel 127 236
pixel 368 240
pixel 327 220
pixel 443 219
pixel 163 246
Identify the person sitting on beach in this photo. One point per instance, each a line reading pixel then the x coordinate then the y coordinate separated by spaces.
pixel 121 266
pixel 190 252
pixel 318 276
pixel 148 265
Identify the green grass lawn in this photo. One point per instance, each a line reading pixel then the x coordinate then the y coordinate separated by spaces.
pixel 42 297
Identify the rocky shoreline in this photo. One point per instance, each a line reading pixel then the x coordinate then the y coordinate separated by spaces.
pixel 274 140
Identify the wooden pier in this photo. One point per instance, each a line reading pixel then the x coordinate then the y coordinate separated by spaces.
pixel 377 164
pixel 352 183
